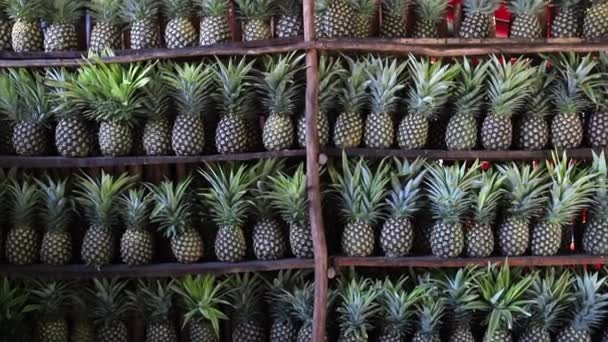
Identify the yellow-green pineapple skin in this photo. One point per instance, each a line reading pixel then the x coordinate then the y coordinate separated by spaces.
pixel 27 36
pixel 278 133
pixel 289 26
pixel 180 33
pixel 201 331
pixel 60 37
pixel 22 245
pixel 116 332
pixel 461 132
pixel 322 129
pixel 115 139
pixel 136 247
pixel 214 30
pixel 379 130
pixel 30 138
pixel 53 330
pixel 595 24
pixel 546 239
pixel 397 237
pixel 187 247
pixel 230 244
pixel 479 240
pixel 6 27
pixel 268 240
pixel 256 29
pixel 188 135
pixel 566 131
pixel 513 237
pixel 300 241
pixel 496 133
pixel 161 332
pixel 413 132
pixel 447 240
pixel 145 34
pixel 358 239
pixel 105 36
pixel 597 129
pixel 73 138
pixel 532 133
pixel 595 237
pixel 82 331
pixel 98 246
pixel 249 331
pixel 156 137
pixel 230 136
pixel 348 131
pixel 56 248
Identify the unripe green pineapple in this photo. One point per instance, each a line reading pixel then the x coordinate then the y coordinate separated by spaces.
pixel 142 16
pixel 22 245
pixel 214 25
pixel 352 96
pixel 107 31
pixel 397 308
pixel 430 91
pixel 394 18
pixel 595 25
pixel 595 237
pixel 338 19
pixel 179 32
pixel 356 308
pixel 255 16
pixel 56 248
pixel 289 22
pixel 526 22
pixel 63 16
pixel 568 22
pixel 153 301
pixel 245 297
pixel 110 310
pixel 51 303
pixel 532 128
pixel 26 34
pixel 284 324
pixel 136 244
pixel 478 18
pixel 173 212
pixel 156 135
pixel 429 13
pixel 430 311
pixel 365 11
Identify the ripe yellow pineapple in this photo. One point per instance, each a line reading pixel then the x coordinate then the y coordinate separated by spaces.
pixel 62 16
pixel 22 245
pixel 526 21
pixel 142 15
pixel 107 32
pixel 214 25
pixel 179 32
pixel 26 34
pixel 256 15
pixel 58 208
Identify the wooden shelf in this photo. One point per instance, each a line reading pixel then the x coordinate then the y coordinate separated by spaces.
pixel 153 270
pixel 434 262
pixel 62 162
pixel 580 154
pixel 450 47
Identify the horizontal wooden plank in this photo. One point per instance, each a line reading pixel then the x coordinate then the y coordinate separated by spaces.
pixel 153 270
pixel 434 262
pixel 62 162
pixel 580 154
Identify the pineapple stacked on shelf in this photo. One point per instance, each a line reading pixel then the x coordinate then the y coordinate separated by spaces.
pixel 142 16
pixel 137 242
pixel 289 21
pixel 352 96
pixel 256 15
pixel 153 300
pixel 63 16
pixel 179 31
pixel 568 21
pixel 594 22
pixel 394 18
pixel 26 32
pixel 110 309
pixel 23 239
pixel 336 18
pixel 51 301
pixel 107 30
pixel 429 13
pixel 6 27
pixel 59 209
pixel 214 25
pixel 595 237
pixel 526 23
pixel 478 18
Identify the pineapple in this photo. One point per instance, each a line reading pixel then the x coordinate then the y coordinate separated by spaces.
pixel 279 90
pixel 338 20
pixel 83 329
pixel 63 16
pixel 153 301
pixel 597 121
pixel 58 208
pixel 508 88
pixel 568 22
pixel 301 300
pixel 550 298
pixel 469 101
pixel 331 74
pixel 256 15
pixel 156 135
pixel 235 102
pixel 384 85
pixel 532 128
pixel 179 32
pixel 284 328
pixel 289 22
pixel 23 239
pixel 173 212
pixel 430 311
pixel 26 34
pixel 320 8
pixel 9 103
pixel 362 191
pixel 73 134
pixel 51 302
pixel 202 297
pixel 479 231
pixel 136 244
pixel 288 196
pixel 110 309
pixel 429 13
pixel 352 96
pixel 6 27
pixel 595 237
pixel 100 199
pixel 397 308
pixel 394 18
pixel 404 200
pixel 190 86
pixel 594 24
pixel 214 25
pixel 365 11
pixel 228 203
pixel 107 31
pixel 526 22
pixel 448 192
pixel 571 190
pixel 28 106
pixel 589 309
pixel 525 196
pixel 142 15
pixel 14 310
pixel 574 91
pixel 478 18
pixel 246 291
pixel 429 93
pixel 504 299
pixel 357 308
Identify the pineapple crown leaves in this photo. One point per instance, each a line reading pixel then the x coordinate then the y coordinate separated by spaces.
pixel 567 4
pixel 152 300
pixel 227 196
pixel 256 9
pixel 448 190
pixel 29 10
pixel 136 204
pixel 462 298
pixel 64 11
pixel 157 96
pixel 358 305
pixel 190 87
pixel 213 8
pixel 58 206
pixel 364 8
pixel 245 297
pixel 527 7
pixel 509 85
pixel 261 171
pixel 287 194
pixel 290 7
pixel 301 298
pixel 600 196
pixel 280 309
pixel 331 77
pixel 63 106
pixel 576 83
pixel 397 304
pixel 590 305
pixel 202 296
pixel 396 7
pixel 431 10
pixel 136 10
pixel 550 297
pixel 278 85
pixel 486 195
pixel 361 189
pixel 34 95
pixel 352 87
pixel 173 208
pixel 487 7
pixel 14 299
pixel 51 300
pixel 106 11
pixel 384 84
pixel 430 310
pixel 110 301
pixel 539 103
pixel 526 188
pixel 174 9
pixel 571 190
pixel 469 96
pixel 235 86
pixel 431 86
pixel 100 197
pixel 404 200
pixel 504 297
pixel 10 102
pixel 25 199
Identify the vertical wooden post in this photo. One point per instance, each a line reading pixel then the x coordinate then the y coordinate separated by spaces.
pixel 312 171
